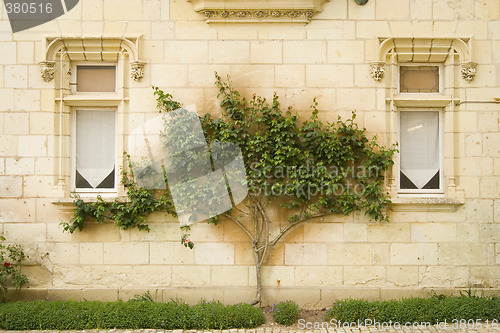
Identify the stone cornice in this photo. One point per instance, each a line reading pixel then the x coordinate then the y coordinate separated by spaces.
pixel 229 11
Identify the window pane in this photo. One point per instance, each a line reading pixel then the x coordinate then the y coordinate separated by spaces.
pixel 96 78
pixel 420 161
pixel 95 149
pixel 419 79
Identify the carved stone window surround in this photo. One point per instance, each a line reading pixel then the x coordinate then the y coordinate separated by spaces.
pixel 432 50
pixel 92 49
pixel 62 56
pixel 453 55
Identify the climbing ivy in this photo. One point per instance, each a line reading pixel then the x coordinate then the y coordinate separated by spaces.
pixel 308 168
pixel 126 214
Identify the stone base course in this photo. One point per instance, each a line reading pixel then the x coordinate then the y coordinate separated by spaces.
pixel 306 297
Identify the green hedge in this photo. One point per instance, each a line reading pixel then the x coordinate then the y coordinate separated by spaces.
pixel 431 310
pixel 80 315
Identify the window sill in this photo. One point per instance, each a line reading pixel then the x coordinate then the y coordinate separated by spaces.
pixel 108 197
pixel 68 203
pixel 235 11
pixel 92 100
pixel 421 100
pixel 425 204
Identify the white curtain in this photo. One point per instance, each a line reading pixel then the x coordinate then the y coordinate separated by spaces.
pixel 95 144
pixel 419 145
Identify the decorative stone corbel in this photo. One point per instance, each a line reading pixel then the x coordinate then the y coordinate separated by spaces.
pixel 47 69
pixel 137 70
pixel 377 70
pixel 469 71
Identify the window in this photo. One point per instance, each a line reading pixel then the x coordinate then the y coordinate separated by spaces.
pixel 93 78
pixel 420 133
pixel 423 89
pixel 94 149
pixel 420 151
pixel 96 78
pixel 91 104
pixel 94 127
pixel 419 79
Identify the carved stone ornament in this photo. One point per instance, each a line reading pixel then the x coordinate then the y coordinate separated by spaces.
pixel 469 71
pixel 377 70
pixel 424 50
pixel 96 49
pixel 214 15
pixel 137 70
pixel 47 69
pixel 234 11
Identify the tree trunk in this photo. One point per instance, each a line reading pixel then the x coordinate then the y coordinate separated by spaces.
pixel 258 294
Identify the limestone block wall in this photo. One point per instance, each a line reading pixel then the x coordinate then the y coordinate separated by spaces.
pixel 420 250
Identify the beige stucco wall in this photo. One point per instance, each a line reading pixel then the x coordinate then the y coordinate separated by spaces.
pixel 335 257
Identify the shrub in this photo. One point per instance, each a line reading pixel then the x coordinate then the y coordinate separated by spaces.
pixel 243 315
pixel 351 310
pixel 11 257
pixel 285 313
pixel 81 315
pixel 206 315
pixel 214 315
pixel 431 310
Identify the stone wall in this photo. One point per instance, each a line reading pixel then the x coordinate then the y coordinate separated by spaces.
pixel 423 248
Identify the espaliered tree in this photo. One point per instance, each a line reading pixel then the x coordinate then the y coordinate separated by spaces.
pixel 306 169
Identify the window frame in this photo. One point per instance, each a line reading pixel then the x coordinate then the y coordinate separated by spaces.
pixel 75 100
pixel 421 64
pixel 453 56
pixel 93 191
pixel 422 192
pixel 74 78
pixel 61 56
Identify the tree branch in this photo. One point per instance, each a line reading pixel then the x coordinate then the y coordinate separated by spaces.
pixel 293 224
pixel 239 224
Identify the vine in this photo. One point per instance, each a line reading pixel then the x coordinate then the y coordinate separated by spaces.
pixel 310 169
pixel 131 213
